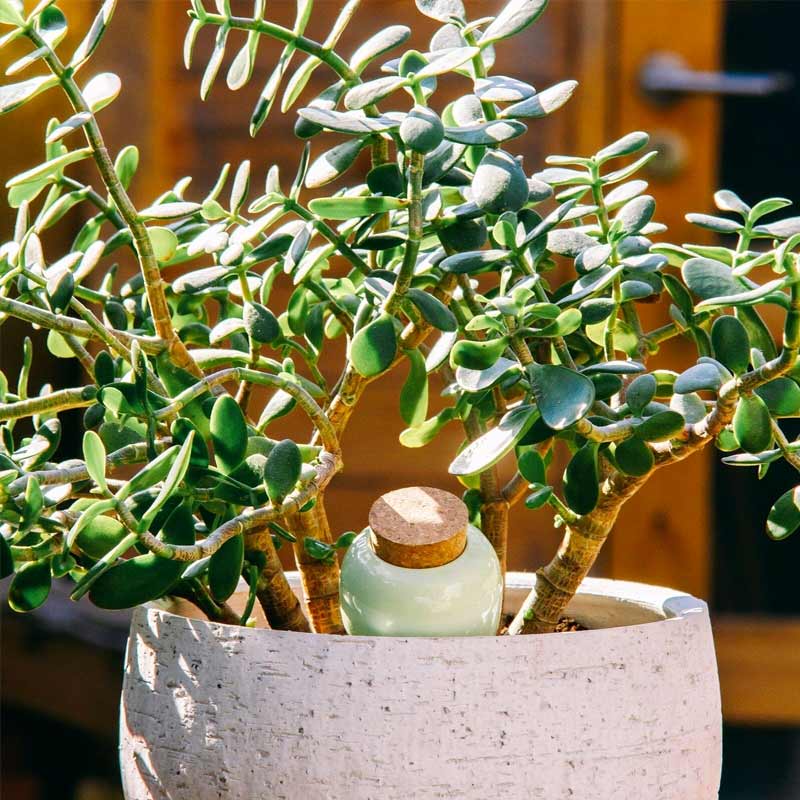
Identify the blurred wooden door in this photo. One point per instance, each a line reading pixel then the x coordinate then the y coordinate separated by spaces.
pixel 666 534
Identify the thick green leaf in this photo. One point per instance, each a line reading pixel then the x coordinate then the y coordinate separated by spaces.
pixel 169 487
pixel 661 426
pixel 495 443
pixel 562 396
pixel 759 333
pixel 751 424
pixel 727 200
pixel 631 143
pixel 784 517
pixel 502 89
pixel 421 130
pixel 104 368
pixel 60 288
pixel 477 355
pixel 689 406
pixel 228 433
pixel 499 183
pixel 282 470
pixel 426 432
pixel 542 103
pixel 180 430
pixel 445 60
pixel 515 17
pixel 93 36
pixel 782 397
pixel 260 323
pixel 634 457
pixel 333 163
pixel 442 10
pixel 475 261
pixel 709 279
pixel 241 68
pixel 414 394
pixel 352 122
pixel 101 90
pixel 142 578
pixel 433 310
pixel 49 169
pixel 374 347
pixel 477 380
pixel 768 206
pixel 126 164
pixel 10 13
pixel 634 215
pixel 377 45
pixel 531 466
pixel 99 534
pixel 485 133
pixel 164 242
pixel 582 480
pixel 539 497
pixel 350 207
pixel 716 224
pixel 154 471
pixel 564 324
pixel 94 454
pixel 606 385
pixel 364 94
pixel 13 95
pixel 225 568
pixel 700 377
pixel 640 392
pixel 386 179
pixel 319 550
pixel 214 61
pixel 614 368
pixel 30 586
pixel 731 344
pixel 170 210
pixel 752 460
pixel 769 292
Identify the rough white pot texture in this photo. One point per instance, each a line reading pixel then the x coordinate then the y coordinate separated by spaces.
pixel 627 711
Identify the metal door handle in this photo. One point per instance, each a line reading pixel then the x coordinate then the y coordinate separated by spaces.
pixel 666 77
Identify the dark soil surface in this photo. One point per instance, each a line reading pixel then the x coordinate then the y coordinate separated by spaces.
pixel 565 625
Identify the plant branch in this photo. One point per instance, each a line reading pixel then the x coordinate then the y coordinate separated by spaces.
pixel 74 327
pixel 154 284
pixel 60 400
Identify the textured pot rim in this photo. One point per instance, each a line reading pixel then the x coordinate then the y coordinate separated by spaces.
pixel 665 604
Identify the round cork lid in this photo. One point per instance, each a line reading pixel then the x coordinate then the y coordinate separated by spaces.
pixel 418 527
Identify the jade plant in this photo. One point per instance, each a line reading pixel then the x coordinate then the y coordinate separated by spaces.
pixel 513 289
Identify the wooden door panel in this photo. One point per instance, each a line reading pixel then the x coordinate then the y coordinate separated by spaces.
pixel 664 533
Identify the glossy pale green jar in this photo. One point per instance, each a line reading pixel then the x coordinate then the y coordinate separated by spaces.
pixel 445 579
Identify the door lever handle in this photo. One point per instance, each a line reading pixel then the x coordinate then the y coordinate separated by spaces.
pixel 666 77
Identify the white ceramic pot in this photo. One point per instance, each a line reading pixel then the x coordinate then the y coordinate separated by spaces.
pixel 627 711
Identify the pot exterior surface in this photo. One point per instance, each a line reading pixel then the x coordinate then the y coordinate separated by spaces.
pixel 213 711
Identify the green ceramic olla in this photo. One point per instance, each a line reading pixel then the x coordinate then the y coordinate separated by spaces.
pixel 420 569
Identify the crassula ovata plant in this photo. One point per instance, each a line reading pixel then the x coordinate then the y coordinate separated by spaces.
pixel 444 262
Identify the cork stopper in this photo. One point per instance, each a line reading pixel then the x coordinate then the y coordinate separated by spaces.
pixel 418 527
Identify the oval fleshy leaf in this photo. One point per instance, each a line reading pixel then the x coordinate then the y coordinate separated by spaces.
pixel 495 443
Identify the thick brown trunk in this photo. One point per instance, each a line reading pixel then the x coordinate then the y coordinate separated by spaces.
pixel 557 582
pixel 320 579
pixel 281 606
pixel 494 518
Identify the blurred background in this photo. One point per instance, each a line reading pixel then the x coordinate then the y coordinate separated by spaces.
pixel 717 84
